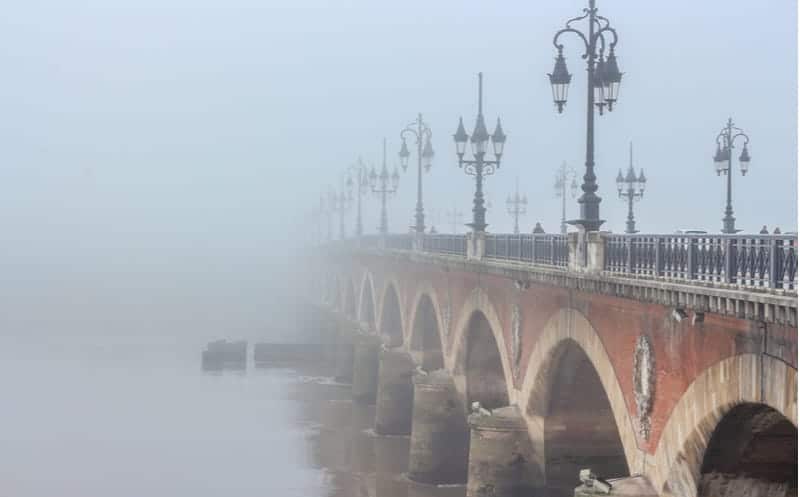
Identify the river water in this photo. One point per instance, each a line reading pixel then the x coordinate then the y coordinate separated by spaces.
pixel 134 418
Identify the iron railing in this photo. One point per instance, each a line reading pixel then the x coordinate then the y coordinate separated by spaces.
pixel 754 261
pixel 539 248
pixel 399 242
pixel 369 241
pixel 445 244
pixel 749 261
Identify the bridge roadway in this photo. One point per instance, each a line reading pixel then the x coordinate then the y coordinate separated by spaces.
pixel 669 358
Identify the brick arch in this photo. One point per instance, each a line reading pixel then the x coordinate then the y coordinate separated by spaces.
pixel 569 326
pixel 367 302
pixel 729 383
pixel 391 283
pixel 477 302
pixel 425 290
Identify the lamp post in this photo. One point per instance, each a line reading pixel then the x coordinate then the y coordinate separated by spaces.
pixel 359 171
pixel 517 205
pixel 421 132
pixel 631 188
pixel 384 184
pixel 723 162
pixel 602 89
pixel 479 166
pixel 565 176
pixel 340 203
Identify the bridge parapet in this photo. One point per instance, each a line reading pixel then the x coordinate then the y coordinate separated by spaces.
pixel 746 276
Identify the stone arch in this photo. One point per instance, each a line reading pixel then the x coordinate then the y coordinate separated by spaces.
pixel 366 302
pixel 753 448
pixel 743 379
pixel 478 322
pixel 425 335
pixel 391 317
pixel 569 352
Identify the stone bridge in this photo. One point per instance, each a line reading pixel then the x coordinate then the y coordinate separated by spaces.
pixel 668 359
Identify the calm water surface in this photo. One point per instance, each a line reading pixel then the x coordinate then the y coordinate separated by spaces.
pixel 134 419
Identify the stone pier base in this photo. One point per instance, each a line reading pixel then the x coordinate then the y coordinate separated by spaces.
pixel 365 368
pixel 395 399
pixel 439 444
pixel 501 462
pixel 344 353
pixel 634 486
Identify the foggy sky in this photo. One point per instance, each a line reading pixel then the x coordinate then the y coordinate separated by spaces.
pixel 158 155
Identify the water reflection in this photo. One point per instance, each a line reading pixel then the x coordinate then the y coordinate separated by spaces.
pixel 341 441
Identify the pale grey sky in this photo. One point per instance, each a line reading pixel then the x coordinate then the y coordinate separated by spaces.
pixel 156 151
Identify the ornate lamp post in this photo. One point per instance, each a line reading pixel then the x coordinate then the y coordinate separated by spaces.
pixel 479 166
pixel 603 86
pixel 420 131
pixel 341 203
pixel 384 184
pixel 723 162
pixel 517 205
pixel 564 176
pixel 631 188
pixel 359 171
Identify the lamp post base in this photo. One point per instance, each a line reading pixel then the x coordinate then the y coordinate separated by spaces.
pixel 729 225
pixel 587 224
pixel 476 245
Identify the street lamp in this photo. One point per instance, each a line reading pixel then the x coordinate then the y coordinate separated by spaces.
pixel 603 87
pixel 384 184
pixel 564 176
pixel 517 205
pixel 631 188
pixel 421 132
pixel 479 166
pixel 359 170
pixel 723 163
pixel 341 203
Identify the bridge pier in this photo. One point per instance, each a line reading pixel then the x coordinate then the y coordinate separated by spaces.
pixel 365 368
pixel 395 400
pixel 363 455
pixel 344 352
pixel 501 459
pixel 439 445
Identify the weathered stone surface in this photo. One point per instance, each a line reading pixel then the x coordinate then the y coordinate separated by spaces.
pixel 633 486
pixel 395 400
pixel 439 444
pixel 501 459
pixel 344 354
pixel 365 369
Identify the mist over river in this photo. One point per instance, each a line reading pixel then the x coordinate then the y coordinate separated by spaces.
pixel 141 418
pixel 135 416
